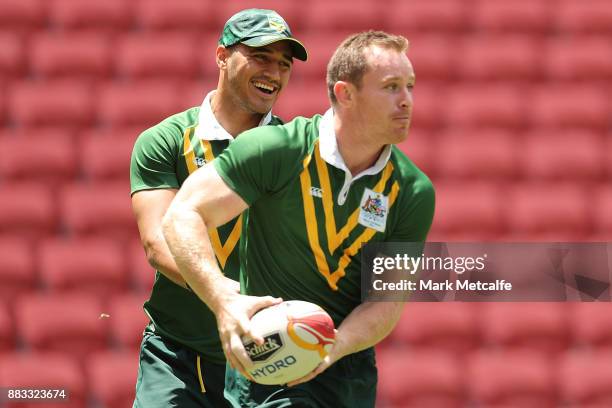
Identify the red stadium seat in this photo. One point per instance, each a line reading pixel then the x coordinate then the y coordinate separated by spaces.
pixel 603 215
pixel 19 157
pixel 44 370
pixel 104 159
pixel 579 58
pixel 12 55
pixel 562 105
pixel 98 210
pixel 476 154
pixel 71 324
pixel 521 15
pixel 573 16
pixel 137 103
pixel 22 15
pixel 437 327
pixel 305 99
pixel 411 379
pixel 321 47
pixel 143 274
pixel 27 210
pixel 540 327
pixel 112 376
pixel 65 104
pixel 508 57
pixel 405 17
pixel 419 148
pixel 17 267
pixel 95 266
pixel 426 110
pixel 127 320
pixel 70 56
pixel 511 379
pixel 586 379
pixel 339 15
pixel 591 324
pixel 183 15
pixel 103 16
pixel 157 55
pixel 470 209
pixel 7 329
pixel 548 208
pixel 433 56
pixel 484 106
pixel 576 154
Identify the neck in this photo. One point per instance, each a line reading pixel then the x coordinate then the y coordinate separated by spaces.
pixel 354 146
pixel 234 118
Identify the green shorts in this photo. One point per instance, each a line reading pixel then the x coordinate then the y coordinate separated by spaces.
pixel 350 382
pixel 171 375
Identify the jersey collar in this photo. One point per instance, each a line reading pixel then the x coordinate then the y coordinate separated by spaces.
pixel 328 146
pixel 209 127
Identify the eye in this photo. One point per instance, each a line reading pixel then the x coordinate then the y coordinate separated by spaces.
pixel 392 87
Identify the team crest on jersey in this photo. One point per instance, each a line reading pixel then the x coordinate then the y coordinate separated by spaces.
pixel 277 24
pixel 199 161
pixel 373 210
pixel 316 192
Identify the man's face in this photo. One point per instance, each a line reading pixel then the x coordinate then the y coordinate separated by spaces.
pixel 257 75
pixel 384 101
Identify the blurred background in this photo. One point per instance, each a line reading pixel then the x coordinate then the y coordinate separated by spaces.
pixel 512 122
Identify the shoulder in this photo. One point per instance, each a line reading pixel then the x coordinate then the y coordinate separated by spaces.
pixel 295 137
pixel 171 129
pixel 412 180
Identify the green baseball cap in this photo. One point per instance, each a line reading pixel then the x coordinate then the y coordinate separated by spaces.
pixel 259 27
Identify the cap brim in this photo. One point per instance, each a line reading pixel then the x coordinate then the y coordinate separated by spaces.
pixel 297 48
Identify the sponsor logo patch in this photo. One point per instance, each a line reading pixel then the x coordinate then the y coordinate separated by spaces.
pixel 272 343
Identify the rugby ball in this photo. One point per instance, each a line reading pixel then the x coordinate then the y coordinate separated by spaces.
pixel 297 337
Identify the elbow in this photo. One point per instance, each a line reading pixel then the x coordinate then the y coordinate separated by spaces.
pixel 152 247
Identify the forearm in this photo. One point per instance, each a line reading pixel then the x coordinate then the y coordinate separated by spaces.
pixel 367 325
pixel 186 235
pixel 160 258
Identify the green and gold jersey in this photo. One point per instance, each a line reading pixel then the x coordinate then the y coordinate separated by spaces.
pixel 163 157
pixel 309 216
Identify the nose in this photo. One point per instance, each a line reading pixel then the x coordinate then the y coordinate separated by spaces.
pixel 273 72
pixel 406 98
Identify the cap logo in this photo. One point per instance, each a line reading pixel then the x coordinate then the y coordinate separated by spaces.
pixel 277 24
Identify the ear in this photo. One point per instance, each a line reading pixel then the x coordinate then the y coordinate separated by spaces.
pixel 345 93
pixel 221 56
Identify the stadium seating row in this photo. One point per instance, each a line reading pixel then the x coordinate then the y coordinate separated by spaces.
pixel 144 55
pixel 195 15
pixel 95 266
pixel 458 153
pixel 106 377
pixel 493 378
pixel 80 324
pixel 73 104
pixel 484 209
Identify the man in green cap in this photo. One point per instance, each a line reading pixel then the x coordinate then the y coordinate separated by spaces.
pixel 181 359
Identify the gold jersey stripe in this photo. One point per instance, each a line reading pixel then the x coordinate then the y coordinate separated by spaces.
pixel 221 251
pixel 311 221
pixel 337 238
pixel 330 225
pixel 188 151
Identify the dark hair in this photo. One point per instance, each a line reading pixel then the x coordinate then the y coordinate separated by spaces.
pixel 349 63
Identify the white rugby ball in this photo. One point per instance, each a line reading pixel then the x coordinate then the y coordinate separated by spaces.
pixel 297 336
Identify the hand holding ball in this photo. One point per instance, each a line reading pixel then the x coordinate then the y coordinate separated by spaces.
pixel 297 336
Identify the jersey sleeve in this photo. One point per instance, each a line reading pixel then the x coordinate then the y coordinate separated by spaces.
pixel 260 161
pixel 153 163
pixel 416 211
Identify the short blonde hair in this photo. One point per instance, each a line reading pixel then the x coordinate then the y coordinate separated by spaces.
pixel 349 63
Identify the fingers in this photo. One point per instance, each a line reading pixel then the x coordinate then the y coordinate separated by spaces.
pixel 261 302
pixel 324 365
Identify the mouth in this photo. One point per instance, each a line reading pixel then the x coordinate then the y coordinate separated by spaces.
pixel 265 88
